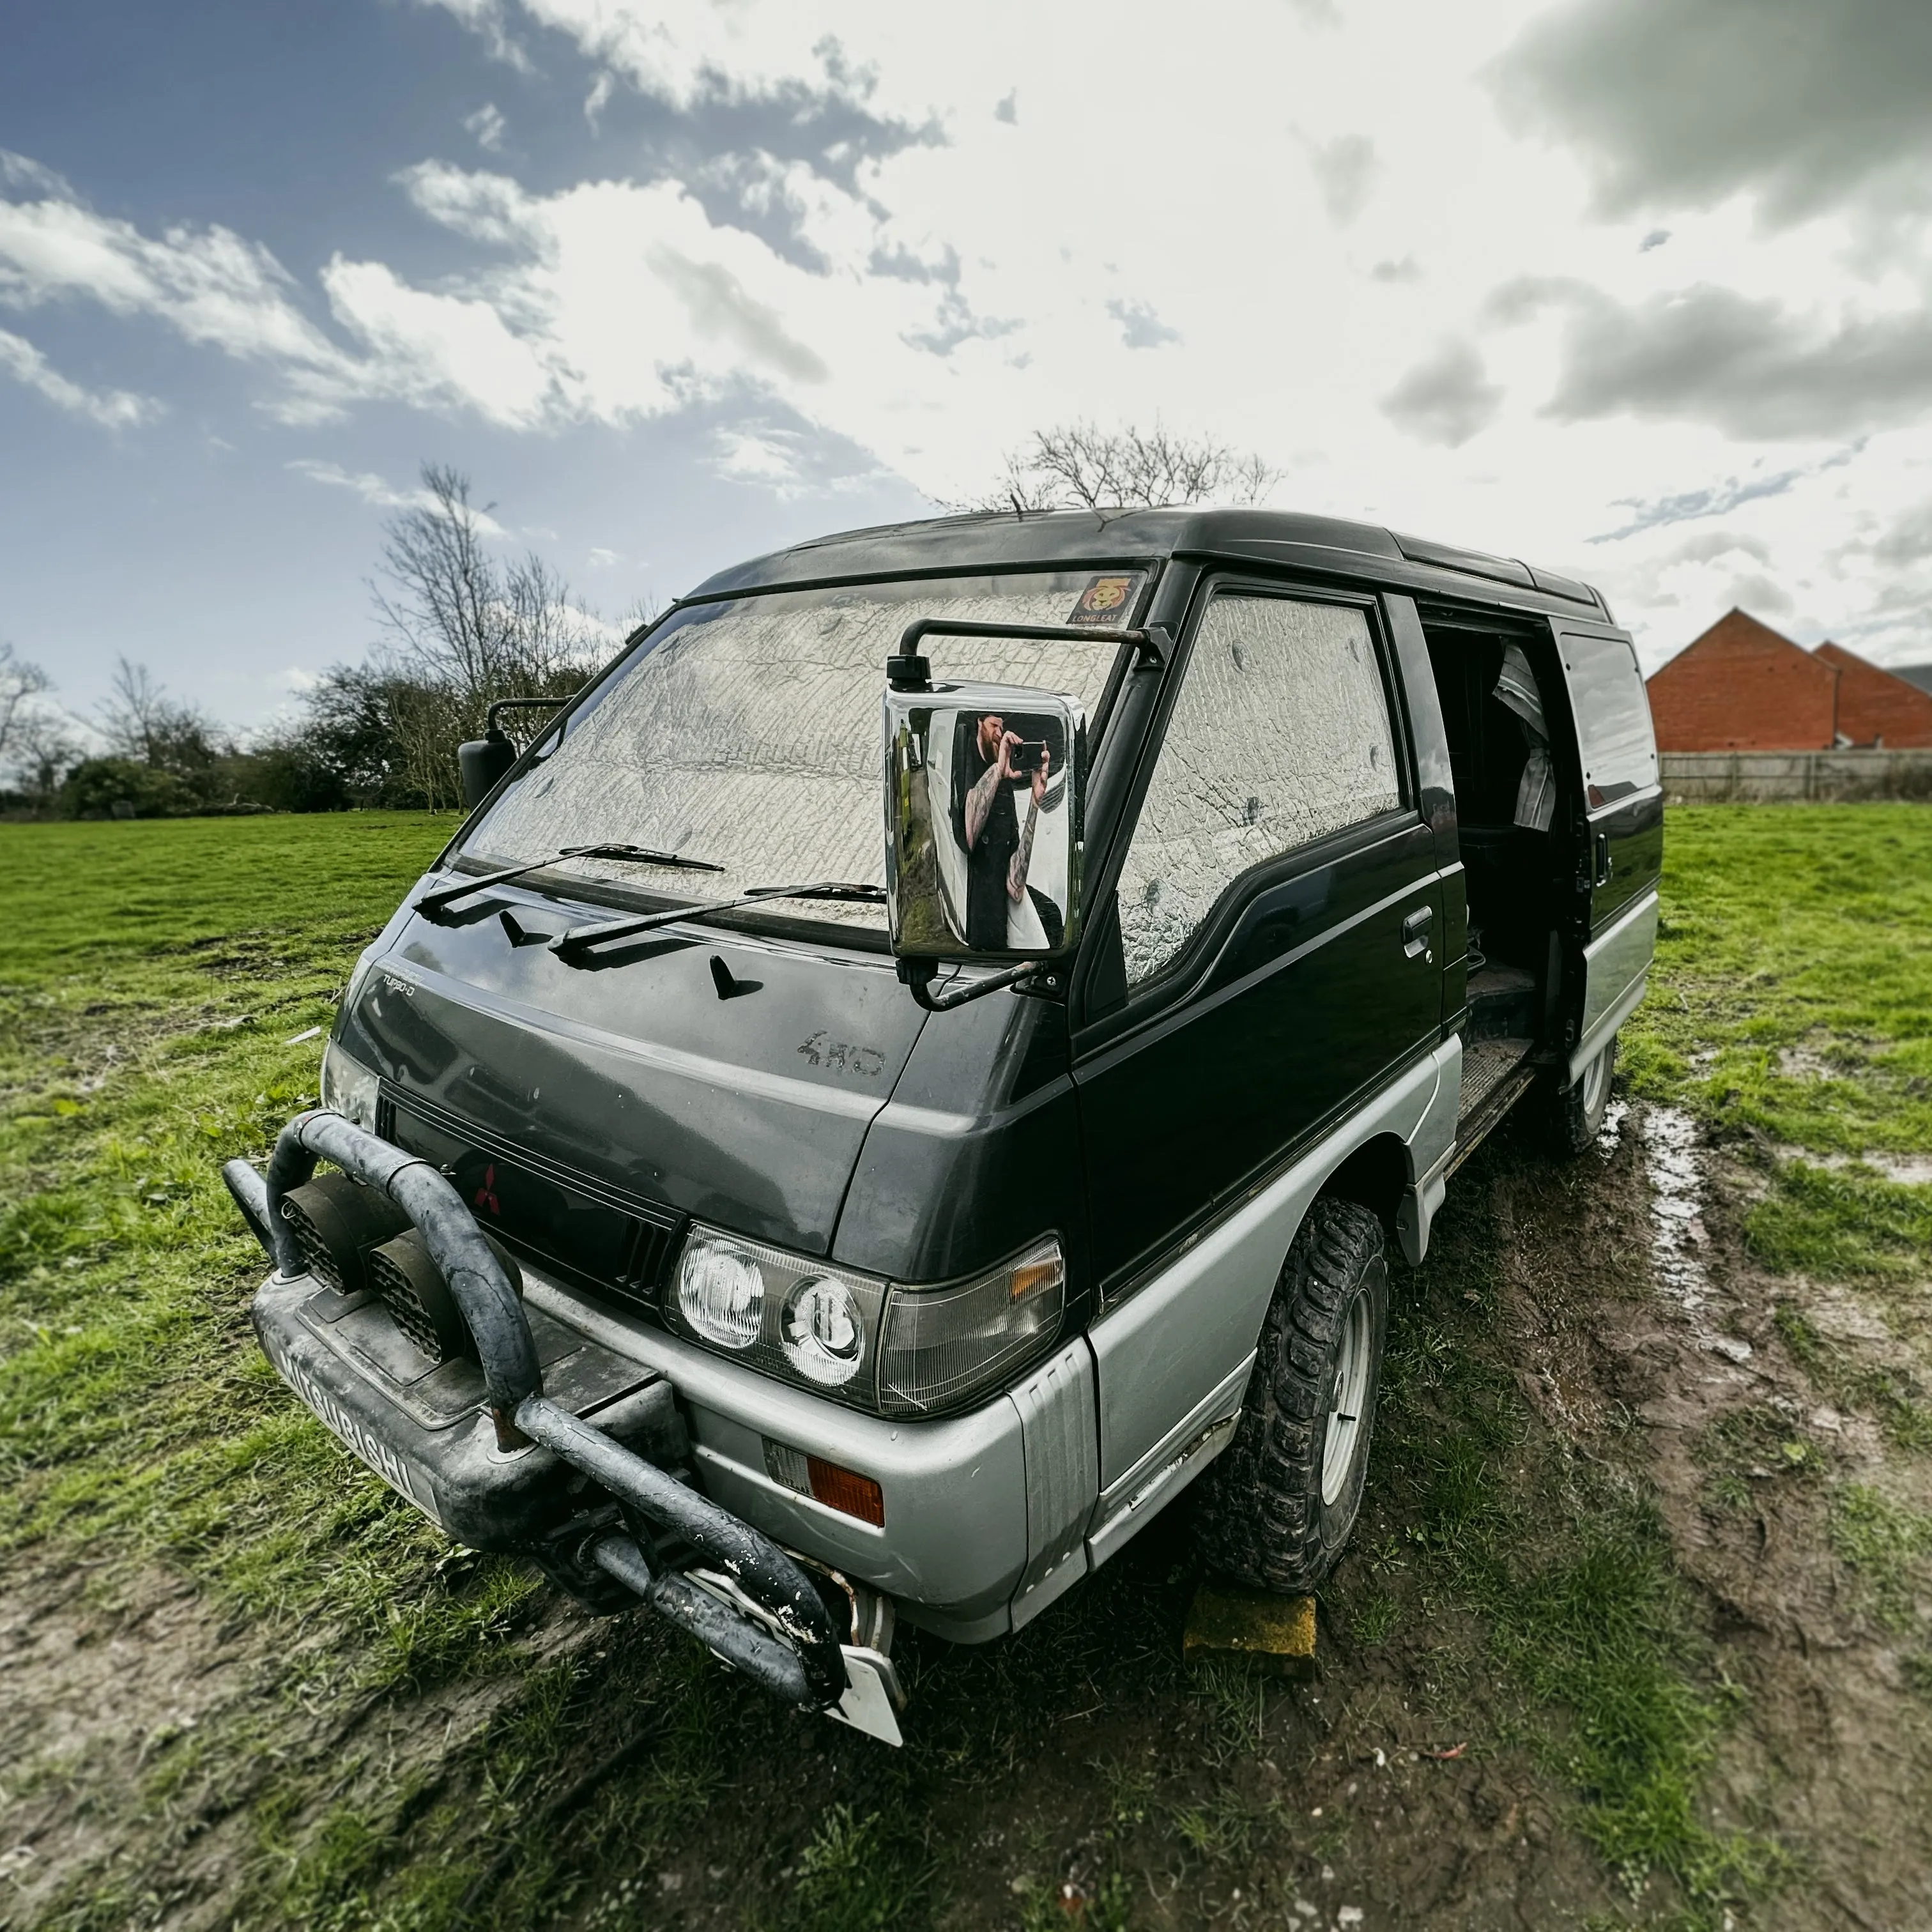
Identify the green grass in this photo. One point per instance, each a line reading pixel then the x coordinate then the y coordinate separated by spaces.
pixel 1838 1223
pixel 151 982
pixel 1791 1009
pixel 1800 930
pixel 1886 1544
pixel 152 910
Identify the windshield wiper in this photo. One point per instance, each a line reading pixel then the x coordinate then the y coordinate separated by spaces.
pixel 579 936
pixel 447 896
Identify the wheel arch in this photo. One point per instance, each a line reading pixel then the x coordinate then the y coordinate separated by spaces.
pixel 1374 1175
pixel 1162 1351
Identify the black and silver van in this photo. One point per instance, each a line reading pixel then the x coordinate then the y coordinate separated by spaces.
pixel 921 1060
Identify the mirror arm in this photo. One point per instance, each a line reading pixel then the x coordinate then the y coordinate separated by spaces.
pixel 908 669
pixel 493 729
pixel 916 976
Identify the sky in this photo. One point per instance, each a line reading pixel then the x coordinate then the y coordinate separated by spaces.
pixel 1636 289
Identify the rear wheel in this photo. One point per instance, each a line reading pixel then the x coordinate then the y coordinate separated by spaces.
pixel 1576 1113
pixel 1277 1508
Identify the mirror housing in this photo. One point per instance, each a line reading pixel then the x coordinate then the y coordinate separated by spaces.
pixel 985 791
pixel 481 763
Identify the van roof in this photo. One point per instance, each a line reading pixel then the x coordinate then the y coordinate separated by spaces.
pixel 992 540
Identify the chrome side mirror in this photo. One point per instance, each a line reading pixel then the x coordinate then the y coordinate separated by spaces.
pixel 984 787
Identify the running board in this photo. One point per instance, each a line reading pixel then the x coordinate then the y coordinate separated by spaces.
pixel 1482 1118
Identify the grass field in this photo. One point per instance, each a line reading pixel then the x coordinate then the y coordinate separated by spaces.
pixel 406 1732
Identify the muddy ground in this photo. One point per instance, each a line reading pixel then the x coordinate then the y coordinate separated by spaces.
pixel 161 1765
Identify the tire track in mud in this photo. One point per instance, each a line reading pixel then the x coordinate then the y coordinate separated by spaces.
pixel 1828 1749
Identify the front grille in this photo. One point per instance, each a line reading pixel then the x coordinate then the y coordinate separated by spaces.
pixel 607 1242
pixel 644 1275
pixel 405 1305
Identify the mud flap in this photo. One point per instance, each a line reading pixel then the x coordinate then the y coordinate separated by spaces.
pixel 873 1697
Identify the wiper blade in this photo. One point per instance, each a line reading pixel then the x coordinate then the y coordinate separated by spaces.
pixel 447 896
pixel 579 936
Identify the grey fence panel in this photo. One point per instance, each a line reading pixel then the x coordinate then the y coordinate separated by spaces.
pixel 1711 778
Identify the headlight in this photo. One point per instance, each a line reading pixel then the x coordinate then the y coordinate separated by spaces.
pixel 783 1313
pixel 943 1345
pixel 349 1086
pixel 721 1293
pixel 819 1330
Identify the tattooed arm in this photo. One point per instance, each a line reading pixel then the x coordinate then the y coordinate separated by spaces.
pixel 1016 869
pixel 980 802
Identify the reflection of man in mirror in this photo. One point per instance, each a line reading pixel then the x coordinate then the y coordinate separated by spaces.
pixel 985 820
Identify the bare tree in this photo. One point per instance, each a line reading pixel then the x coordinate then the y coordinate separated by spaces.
pixel 141 721
pixel 38 744
pixel 638 615
pixel 132 714
pixel 21 683
pixel 43 749
pixel 1079 466
pixel 461 619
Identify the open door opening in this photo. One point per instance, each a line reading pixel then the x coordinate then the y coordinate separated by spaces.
pixel 1498 687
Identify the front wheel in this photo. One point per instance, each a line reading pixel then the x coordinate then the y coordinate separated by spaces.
pixel 1278 1507
pixel 1576 1115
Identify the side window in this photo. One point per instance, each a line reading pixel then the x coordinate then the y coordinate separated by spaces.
pixel 1280 735
pixel 1606 691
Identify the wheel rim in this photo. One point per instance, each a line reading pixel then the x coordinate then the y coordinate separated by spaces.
pixel 1345 1407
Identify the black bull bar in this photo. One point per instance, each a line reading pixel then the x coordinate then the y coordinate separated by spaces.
pixel 794 1651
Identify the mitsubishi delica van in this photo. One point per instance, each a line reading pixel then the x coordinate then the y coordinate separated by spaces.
pixel 921 1062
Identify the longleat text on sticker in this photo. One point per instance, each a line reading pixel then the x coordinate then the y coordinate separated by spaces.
pixel 1105 601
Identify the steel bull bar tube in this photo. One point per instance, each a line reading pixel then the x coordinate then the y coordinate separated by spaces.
pixel 808 1669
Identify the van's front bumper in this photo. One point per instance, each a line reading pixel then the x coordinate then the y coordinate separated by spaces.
pixel 542 1441
pixel 559 1443
pixel 985 1514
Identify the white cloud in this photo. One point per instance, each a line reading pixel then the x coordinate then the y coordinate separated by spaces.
pixel 112 409
pixel 758 455
pixel 489 20
pixel 379 492
pixel 214 288
pixel 432 348
pixel 18 171
pixel 486 125
pixel 869 253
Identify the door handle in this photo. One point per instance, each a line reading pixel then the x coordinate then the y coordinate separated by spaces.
pixel 1603 868
pixel 1415 931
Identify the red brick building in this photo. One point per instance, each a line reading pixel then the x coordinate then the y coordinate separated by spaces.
pixel 1741 687
pixel 1875 707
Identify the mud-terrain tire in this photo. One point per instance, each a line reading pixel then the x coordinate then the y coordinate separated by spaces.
pixel 1573 1115
pixel 1277 1507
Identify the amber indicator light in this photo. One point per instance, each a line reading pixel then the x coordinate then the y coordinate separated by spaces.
pixel 846 1491
pixel 1030 1278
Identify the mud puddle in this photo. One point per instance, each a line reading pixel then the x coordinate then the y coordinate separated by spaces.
pixel 1680 1242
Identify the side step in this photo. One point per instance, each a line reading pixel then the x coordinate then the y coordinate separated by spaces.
pixel 1494 1077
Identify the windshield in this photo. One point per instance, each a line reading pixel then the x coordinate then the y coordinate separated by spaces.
pixel 747 733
